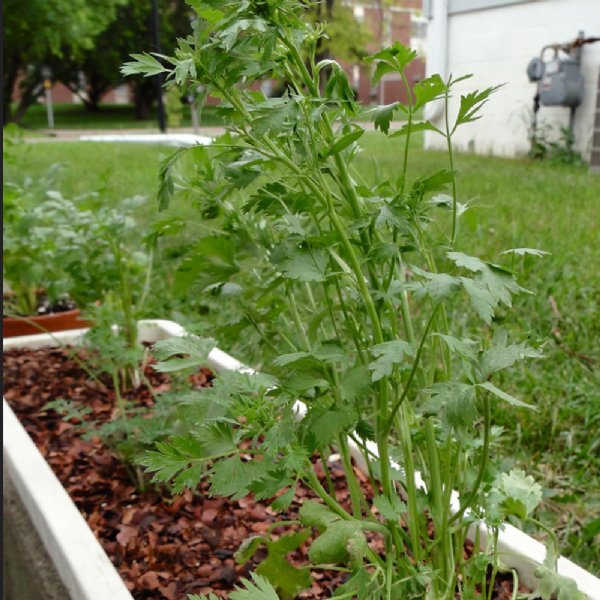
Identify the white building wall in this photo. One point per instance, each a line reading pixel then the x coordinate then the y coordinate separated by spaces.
pixel 495 45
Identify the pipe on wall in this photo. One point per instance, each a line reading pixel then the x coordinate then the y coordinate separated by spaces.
pixel 437 52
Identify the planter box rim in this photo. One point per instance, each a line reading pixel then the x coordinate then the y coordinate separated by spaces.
pixel 517 549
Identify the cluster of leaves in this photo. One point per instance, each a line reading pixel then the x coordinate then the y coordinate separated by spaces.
pixel 347 282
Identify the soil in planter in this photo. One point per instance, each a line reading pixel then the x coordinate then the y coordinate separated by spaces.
pixel 163 547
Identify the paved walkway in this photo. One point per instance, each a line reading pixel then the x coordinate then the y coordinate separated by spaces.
pixel 74 135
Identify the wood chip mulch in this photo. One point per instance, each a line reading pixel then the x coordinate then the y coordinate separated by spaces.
pixel 164 547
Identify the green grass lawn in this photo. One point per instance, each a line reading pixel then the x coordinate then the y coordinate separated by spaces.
pixel 110 116
pixel 519 204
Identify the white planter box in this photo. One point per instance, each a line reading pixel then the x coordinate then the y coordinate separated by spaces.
pixel 80 561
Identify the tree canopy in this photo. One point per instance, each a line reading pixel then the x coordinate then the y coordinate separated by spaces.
pixel 36 30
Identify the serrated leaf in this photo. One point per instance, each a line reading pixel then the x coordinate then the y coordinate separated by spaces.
pixel 464 347
pixel 428 89
pixel 355 383
pixel 492 284
pixel 389 354
pixel 454 403
pixel 490 387
pixel 287 580
pixel 257 589
pixel 324 426
pixel 438 286
pixel 283 502
pixel 305 265
pixel 472 263
pixel 482 300
pixel 173 457
pixel 471 104
pixel 232 477
pixel 390 509
pixel 500 356
pixel 526 251
pixel 519 493
pixel 382 116
pixel 143 64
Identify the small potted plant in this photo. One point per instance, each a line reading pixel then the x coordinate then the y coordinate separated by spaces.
pixel 35 294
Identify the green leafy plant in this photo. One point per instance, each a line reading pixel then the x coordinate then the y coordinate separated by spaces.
pixel 353 285
pixel 30 265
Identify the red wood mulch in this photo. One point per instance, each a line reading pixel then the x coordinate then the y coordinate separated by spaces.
pixel 163 547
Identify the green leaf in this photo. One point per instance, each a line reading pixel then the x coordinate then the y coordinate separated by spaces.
pixel 305 265
pixel 357 585
pixel 144 64
pixel 382 116
pixel 390 509
pixel 526 251
pixel 519 493
pixel 355 384
pixel 342 542
pixel 324 426
pixel 482 300
pixel 491 286
pixel 490 387
pixel 291 358
pixel 233 477
pixel 552 585
pixel 471 104
pixel 389 354
pixel 472 263
pixel 197 350
pixel 283 502
pixel 439 286
pixel 288 580
pixel 468 349
pixel 454 403
pixel 501 356
pixel 414 127
pixel 428 89
pixel 258 589
pixel 165 178
pixel 344 142
pixel 315 514
pixel 248 548
pixel 394 58
pixel 173 457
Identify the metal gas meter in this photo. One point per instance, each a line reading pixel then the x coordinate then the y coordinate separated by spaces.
pixel 559 80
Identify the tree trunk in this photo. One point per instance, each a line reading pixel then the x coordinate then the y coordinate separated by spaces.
pixel 31 90
pixel 11 73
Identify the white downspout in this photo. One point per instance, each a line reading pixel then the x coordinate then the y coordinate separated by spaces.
pixel 437 52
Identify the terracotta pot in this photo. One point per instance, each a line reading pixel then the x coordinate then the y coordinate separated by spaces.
pixel 34 325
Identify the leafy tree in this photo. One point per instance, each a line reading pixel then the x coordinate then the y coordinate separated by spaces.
pixel 127 33
pixel 35 31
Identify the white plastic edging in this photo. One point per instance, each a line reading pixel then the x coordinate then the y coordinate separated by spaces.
pixel 517 549
pixel 78 557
